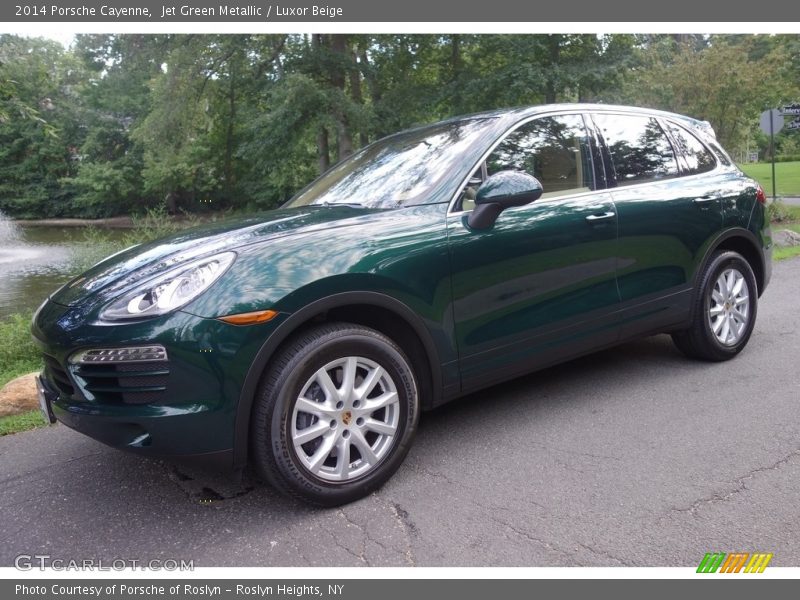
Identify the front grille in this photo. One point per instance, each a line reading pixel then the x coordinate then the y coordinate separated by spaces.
pixel 128 383
pixel 58 376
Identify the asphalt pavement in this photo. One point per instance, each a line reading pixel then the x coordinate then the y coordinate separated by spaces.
pixel 633 456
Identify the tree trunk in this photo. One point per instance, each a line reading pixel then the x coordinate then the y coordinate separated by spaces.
pixel 229 133
pixel 455 54
pixel 323 152
pixel 554 47
pixel 338 79
pixel 369 77
pixel 171 200
pixel 355 91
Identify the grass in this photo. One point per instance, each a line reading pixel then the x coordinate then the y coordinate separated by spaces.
pixel 784 253
pixel 18 355
pixel 22 422
pixel 784 216
pixel 787 177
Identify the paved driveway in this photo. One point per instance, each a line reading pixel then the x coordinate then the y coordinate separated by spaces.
pixel 633 456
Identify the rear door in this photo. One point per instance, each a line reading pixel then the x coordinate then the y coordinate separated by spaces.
pixel 666 213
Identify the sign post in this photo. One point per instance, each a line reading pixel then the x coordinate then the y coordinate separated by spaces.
pixel 771 123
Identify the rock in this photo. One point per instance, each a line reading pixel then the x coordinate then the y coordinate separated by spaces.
pixel 19 395
pixel 786 238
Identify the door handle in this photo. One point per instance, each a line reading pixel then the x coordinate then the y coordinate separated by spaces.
pixel 601 217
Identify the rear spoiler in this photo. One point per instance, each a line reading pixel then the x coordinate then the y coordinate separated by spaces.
pixel 706 128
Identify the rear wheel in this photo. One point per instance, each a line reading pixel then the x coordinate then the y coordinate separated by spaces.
pixel 724 312
pixel 335 415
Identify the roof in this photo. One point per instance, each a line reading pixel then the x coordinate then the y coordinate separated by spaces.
pixel 523 112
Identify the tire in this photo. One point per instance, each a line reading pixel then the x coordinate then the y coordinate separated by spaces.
pixel 727 292
pixel 298 443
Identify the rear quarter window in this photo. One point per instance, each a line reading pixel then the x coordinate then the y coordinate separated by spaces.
pixel 697 158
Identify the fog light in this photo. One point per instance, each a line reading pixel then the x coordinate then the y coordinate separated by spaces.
pixel 131 354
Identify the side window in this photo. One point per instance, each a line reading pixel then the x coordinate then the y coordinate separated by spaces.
pixel 698 158
pixel 555 150
pixel 640 150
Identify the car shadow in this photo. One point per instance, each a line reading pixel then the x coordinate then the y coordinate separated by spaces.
pixel 555 385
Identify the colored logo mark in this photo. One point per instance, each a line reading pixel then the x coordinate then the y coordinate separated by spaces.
pixel 735 562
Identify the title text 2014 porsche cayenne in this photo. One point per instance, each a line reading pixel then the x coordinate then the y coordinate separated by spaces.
pixel 432 263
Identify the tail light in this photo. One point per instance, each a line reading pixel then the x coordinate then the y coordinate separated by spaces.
pixel 760 195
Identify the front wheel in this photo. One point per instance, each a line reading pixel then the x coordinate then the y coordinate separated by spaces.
pixel 335 414
pixel 724 311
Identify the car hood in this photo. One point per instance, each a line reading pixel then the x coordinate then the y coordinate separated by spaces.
pixel 138 263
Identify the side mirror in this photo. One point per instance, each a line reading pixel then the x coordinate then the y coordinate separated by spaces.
pixel 501 191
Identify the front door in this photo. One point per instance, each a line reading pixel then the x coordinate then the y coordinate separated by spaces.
pixel 540 284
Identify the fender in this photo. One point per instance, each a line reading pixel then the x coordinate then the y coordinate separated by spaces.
pixel 290 325
pixel 713 245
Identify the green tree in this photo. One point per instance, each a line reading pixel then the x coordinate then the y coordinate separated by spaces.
pixel 727 84
pixel 39 133
pixel 115 100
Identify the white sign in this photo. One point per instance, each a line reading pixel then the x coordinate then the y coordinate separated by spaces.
pixel 771 115
pixel 791 109
pixel 794 124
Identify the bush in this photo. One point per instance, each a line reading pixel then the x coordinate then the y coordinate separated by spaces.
pixel 777 211
pixel 787 158
pixel 155 223
pixel 94 247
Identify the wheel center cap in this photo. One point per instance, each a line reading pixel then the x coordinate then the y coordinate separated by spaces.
pixel 347 416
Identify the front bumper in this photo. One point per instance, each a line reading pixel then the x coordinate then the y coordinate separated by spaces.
pixel 192 413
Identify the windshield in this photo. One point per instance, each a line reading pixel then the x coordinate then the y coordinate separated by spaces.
pixel 398 170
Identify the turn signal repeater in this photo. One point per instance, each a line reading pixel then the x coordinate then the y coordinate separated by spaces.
pixel 250 318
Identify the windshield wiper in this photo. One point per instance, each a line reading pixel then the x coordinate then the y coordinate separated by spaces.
pixel 351 204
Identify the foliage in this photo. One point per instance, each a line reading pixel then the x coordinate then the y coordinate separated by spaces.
pixel 155 223
pixel 721 83
pixel 18 355
pixel 122 123
pixel 21 422
pixel 97 244
pixel 784 253
pixel 39 120
pixel 777 211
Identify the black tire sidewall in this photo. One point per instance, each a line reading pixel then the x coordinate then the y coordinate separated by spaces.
pixel 720 263
pixel 345 342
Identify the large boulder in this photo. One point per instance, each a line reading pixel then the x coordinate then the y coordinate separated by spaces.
pixel 19 396
pixel 786 238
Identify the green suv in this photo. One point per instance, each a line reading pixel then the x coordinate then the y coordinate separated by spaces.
pixel 431 264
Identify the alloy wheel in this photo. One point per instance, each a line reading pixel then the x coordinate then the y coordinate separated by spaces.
pixel 345 419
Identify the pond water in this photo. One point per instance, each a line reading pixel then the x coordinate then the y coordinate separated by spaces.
pixel 34 262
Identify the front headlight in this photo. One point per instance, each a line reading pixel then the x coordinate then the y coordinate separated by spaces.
pixel 169 291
